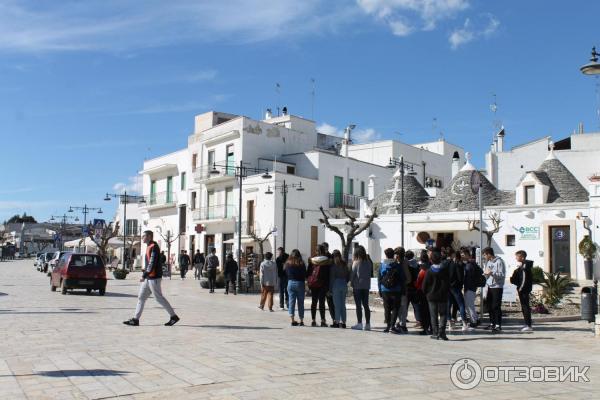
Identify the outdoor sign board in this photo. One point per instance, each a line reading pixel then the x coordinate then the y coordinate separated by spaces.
pixel 528 232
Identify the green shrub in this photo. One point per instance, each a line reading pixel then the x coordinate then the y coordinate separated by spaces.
pixel 587 248
pixel 537 275
pixel 555 288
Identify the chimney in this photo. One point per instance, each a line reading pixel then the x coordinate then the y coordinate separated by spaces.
pixel 500 140
pixel 371 188
pixel 268 114
pixel 347 140
pixel 455 163
pixel 581 128
pixel 284 111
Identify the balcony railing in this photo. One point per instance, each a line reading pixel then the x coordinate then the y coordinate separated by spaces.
pixel 225 170
pixel 214 212
pixel 161 198
pixel 343 200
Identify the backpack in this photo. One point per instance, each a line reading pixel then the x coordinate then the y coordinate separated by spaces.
pixel 313 280
pixel 391 278
pixel 481 279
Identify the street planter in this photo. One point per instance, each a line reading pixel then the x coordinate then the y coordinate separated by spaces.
pixel 120 273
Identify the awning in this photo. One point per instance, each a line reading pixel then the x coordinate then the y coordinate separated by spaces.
pixel 438 226
pixel 245 240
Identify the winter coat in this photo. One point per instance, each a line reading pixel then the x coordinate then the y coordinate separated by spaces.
pixel 231 269
pixel 522 277
pixel 436 284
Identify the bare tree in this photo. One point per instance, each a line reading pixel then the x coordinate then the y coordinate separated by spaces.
pixel 489 233
pixel 107 233
pixel 354 228
pixel 261 241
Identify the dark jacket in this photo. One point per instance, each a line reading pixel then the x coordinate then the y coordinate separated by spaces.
pixel 436 283
pixel 456 274
pixel 295 272
pixel 280 263
pixel 385 268
pixel 152 267
pixel 212 262
pixel 522 277
pixel 472 272
pixel 162 259
pixel 199 259
pixel 231 268
pixel 184 260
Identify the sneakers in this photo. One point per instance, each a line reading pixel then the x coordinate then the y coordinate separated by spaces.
pixel 343 325
pixel 403 329
pixel 490 327
pixel 261 307
pixel 324 324
pixel 334 325
pixel 526 329
pixel 359 327
pixel 294 323
pixel 313 324
pixel 396 330
pixel 174 319
pixel 132 322
pixel 466 327
pixel 367 327
pixel 386 330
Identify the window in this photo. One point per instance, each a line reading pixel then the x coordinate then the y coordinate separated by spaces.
pixel 152 192
pixel 229 202
pixel 351 186
pixel 510 240
pixel 529 192
pixel 338 191
pixel 131 227
pixel 250 214
pixel 182 183
pixel 290 170
pixel 211 158
pixel 193 201
pixel 169 189
pixel 301 214
pixel 210 204
pixel 362 188
pixel 229 160
pixel 194 161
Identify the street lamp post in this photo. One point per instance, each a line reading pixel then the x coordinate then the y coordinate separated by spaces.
pixel 63 221
pixel 593 68
pixel 85 210
pixel 403 166
pixel 125 199
pixel 284 190
pixel 240 172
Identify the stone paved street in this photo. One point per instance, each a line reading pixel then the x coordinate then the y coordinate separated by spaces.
pixel 75 347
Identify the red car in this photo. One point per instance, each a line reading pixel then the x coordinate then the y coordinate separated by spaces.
pixel 79 271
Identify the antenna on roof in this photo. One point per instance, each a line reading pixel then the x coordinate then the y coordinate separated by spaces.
pixel 496 123
pixel 278 91
pixel 312 99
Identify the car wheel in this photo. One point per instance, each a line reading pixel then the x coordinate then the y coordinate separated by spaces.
pixel 101 292
pixel 52 287
pixel 63 287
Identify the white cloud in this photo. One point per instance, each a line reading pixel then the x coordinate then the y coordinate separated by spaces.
pixel 358 135
pixel 467 33
pixel 133 186
pixel 123 25
pixel 426 13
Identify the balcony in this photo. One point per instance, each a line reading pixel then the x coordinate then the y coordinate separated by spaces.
pixel 203 174
pixel 160 200
pixel 214 213
pixel 343 200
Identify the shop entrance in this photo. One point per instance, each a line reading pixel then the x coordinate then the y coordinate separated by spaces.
pixel 444 239
pixel 560 249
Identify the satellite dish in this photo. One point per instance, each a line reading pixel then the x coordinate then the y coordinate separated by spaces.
pixel 475 182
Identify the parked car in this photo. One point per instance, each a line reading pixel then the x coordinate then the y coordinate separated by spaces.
pixel 45 261
pixel 55 257
pixel 79 271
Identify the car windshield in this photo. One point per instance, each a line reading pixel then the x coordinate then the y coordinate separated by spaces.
pixel 86 260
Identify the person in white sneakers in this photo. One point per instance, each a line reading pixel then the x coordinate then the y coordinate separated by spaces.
pixel 360 279
pixel 522 278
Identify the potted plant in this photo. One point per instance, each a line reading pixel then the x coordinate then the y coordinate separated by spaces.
pixel 588 249
pixel 119 273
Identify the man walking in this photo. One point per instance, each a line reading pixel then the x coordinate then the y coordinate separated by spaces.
pixel 198 264
pixel 495 272
pixel 268 280
pixel 522 278
pixel 184 264
pixel 151 280
pixel 283 281
pixel 211 264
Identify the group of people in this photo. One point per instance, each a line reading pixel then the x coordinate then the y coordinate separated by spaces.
pixel 439 284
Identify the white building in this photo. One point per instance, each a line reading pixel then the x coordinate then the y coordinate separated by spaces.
pixel 579 152
pixel 543 214
pixel 194 192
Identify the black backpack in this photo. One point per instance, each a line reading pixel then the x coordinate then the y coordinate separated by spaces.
pixel 481 279
pixel 392 278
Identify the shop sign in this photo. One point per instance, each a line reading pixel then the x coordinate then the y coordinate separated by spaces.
pixel 529 232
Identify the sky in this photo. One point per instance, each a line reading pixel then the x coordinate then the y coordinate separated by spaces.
pixel 88 90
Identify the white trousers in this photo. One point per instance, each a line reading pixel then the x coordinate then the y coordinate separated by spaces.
pixel 152 286
pixel 470 305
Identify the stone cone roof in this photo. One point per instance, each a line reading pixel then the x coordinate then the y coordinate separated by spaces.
pixel 389 201
pixel 564 187
pixel 458 196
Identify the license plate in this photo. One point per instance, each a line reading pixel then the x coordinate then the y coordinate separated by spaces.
pixel 86 282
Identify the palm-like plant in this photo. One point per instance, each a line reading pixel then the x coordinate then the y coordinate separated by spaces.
pixel 555 287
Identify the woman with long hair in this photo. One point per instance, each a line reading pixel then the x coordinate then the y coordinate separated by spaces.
pixel 360 278
pixel 295 270
pixel 339 275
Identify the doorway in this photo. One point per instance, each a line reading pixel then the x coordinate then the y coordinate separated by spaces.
pixel 444 239
pixel 209 243
pixel 314 238
pixel 560 249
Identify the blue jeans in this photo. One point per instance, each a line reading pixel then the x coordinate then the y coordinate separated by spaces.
pixel 296 293
pixel 458 296
pixel 339 291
